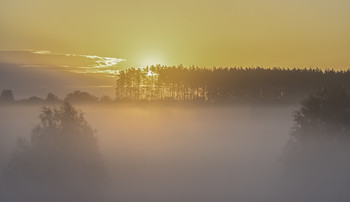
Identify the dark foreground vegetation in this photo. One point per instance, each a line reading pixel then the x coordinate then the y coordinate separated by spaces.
pixel 60 161
pixel 316 157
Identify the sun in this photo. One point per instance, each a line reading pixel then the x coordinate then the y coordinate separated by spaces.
pixel 149 61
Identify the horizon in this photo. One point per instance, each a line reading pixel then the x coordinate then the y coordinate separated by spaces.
pixel 41 72
pixel 199 80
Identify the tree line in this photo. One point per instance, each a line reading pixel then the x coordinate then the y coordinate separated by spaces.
pixel 206 85
pixel 7 97
pixel 178 83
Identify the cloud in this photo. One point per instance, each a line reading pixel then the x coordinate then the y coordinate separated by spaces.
pixel 37 72
pixel 76 63
pixel 42 52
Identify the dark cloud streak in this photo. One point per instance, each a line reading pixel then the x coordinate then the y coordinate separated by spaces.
pixel 36 73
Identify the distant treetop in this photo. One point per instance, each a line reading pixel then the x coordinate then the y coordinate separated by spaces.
pixel 6 96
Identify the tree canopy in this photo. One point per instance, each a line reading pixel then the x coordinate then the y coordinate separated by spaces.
pixel 323 117
pixel 6 96
pixel 316 157
pixel 321 132
pixel 179 83
pixel 61 159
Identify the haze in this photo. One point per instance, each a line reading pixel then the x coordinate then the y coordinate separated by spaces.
pixel 192 101
pixel 179 153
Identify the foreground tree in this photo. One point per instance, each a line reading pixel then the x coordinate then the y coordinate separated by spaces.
pixel 317 154
pixel 60 162
pixel 323 119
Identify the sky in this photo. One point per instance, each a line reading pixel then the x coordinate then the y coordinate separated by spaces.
pixel 37 73
pixel 206 33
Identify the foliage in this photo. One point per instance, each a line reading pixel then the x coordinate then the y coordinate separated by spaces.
pixel 61 159
pixel 51 98
pixel 6 96
pixel 224 84
pixel 321 135
pixel 80 97
pixel 324 116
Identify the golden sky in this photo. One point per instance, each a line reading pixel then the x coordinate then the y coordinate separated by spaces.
pixel 285 33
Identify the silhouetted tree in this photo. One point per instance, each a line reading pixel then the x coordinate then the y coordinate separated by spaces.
pixel 317 155
pixel 6 96
pixel 106 99
pixel 34 100
pixel 51 98
pixel 224 84
pixel 80 97
pixel 60 162
pixel 323 119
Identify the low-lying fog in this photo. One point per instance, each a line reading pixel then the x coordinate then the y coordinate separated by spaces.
pixel 172 154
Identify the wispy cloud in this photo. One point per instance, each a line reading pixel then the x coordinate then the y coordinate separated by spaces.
pixel 76 63
pixel 41 52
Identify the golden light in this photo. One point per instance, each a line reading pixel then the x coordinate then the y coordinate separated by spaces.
pixel 150 73
pixel 152 61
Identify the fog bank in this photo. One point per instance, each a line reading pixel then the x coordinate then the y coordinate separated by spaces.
pixel 184 153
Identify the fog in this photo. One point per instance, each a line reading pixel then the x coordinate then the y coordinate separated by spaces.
pixel 184 153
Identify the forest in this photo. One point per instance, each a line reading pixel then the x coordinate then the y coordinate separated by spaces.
pixel 179 84
pixel 218 85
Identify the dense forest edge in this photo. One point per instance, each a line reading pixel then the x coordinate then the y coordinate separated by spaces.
pixel 179 84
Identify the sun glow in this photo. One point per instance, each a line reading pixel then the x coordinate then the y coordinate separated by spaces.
pixel 152 62
pixel 150 73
